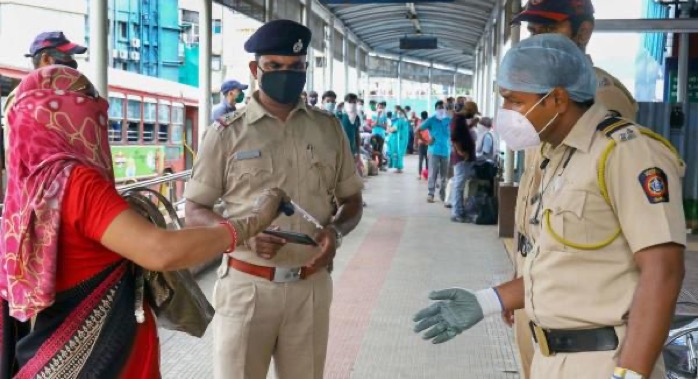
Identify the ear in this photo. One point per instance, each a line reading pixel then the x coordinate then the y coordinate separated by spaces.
pixel 253 68
pixel 47 60
pixel 584 34
pixel 562 99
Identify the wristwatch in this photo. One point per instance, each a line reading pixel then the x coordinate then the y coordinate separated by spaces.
pixel 338 235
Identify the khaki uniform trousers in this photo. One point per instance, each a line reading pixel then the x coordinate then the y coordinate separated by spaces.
pixel 524 342
pixel 257 319
pixel 591 365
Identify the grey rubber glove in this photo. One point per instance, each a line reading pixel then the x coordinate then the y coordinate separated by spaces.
pixel 266 209
pixel 455 311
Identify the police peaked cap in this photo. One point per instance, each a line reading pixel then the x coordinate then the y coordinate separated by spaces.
pixel 279 37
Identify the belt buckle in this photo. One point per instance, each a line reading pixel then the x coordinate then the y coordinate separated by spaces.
pixel 542 340
pixel 287 275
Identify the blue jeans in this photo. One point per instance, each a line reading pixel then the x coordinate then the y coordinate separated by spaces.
pixel 462 171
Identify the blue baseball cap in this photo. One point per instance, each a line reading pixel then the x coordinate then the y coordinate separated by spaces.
pixel 54 40
pixel 554 11
pixel 230 85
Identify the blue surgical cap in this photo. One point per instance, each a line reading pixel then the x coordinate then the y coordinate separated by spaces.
pixel 546 61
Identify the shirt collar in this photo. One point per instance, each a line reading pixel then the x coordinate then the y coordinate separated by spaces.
pixel 256 111
pixel 583 131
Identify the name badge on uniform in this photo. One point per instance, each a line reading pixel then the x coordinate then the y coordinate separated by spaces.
pixel 245 155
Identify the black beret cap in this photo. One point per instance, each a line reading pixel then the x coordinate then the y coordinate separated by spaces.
pixel 279 37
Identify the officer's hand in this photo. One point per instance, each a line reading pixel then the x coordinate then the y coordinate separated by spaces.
pixel 266 246
pixel 327 241
pixel 264 212
pixel 456 311
pixel 508 317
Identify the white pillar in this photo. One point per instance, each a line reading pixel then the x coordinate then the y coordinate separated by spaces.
pixel 509 155
pixel 204 66
pixel 357 59
pixel 268 10
pixel 684 51
pixel 455 81
pixel 310 81
pixel 330 59
pixel 398 98
pixel 345 57
pixel 99 45
pixel 430 106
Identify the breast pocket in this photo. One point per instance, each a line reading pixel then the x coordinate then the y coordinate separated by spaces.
pixel 323 171
pixel 252 174
pixel 564 226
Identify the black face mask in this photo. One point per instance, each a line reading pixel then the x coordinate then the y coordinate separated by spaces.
pixel 459 107
pixel 283 86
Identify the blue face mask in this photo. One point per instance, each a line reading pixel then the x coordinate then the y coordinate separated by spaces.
pixel 330 107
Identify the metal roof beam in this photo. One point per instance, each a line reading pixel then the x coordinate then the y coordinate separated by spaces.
pixel 677 25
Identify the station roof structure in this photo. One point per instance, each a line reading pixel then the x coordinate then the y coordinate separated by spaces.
pixel 457 26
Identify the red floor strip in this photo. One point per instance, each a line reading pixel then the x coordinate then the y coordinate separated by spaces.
pixel 356 293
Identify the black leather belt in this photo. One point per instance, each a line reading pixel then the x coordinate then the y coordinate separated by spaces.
pixel 523 245
pixel 552 341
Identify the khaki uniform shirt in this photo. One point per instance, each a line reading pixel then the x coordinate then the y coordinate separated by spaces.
pixel 568 288
pixel 612 94
pixel 307 156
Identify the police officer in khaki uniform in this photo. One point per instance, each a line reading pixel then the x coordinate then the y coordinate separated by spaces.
pixel 273 297
pixel 574 19
pixel 601 279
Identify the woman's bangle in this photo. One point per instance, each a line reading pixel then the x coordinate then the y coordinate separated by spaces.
pixel 233 235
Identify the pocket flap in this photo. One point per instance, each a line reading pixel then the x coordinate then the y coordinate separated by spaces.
pixel 570 201
pixel 252 166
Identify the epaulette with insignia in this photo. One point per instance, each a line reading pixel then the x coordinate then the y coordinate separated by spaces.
pixel 611 125
pixel 228 119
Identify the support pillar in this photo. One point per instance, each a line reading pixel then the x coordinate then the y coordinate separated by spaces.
pixel 268 10
pixel 204 66
pixel 99 45
pixel 455 81
pixel 357 60
pixel 308 14
pixel 430 107
pixel 509 155
pixel 345 58
pixel 329 76
pixel 398 98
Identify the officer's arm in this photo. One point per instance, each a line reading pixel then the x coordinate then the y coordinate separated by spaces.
pixel 644 186
pixel 512 294
pixel 426 124
pixel 347 190
pixel 207 182
pixel 661 274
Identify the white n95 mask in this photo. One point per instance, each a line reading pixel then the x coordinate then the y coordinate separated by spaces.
pixel 517 131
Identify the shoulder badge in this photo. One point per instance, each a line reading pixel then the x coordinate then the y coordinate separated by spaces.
pixel 611 125
pixel 227 119
pixel 655 185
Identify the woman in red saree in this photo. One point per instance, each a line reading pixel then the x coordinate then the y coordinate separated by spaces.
pixel 68 240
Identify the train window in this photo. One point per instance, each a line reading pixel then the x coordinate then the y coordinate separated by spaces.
pixel 148 132
pixel 115 130
pixel 149 112
pixel 163 133
pixel 177 136
pixel 133 111
pixel 163 113
pixel 178 114
pixel 133 132
pixel 116 108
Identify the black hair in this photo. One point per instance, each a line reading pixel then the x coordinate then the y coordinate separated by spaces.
pixel 424 115
pixel 408 108
pixel 389 114
pixel 350 97
pixel 577 21
pixel 329 94
pixel 439 103
pixel 383 103
pixel 585 104
pixel 372 102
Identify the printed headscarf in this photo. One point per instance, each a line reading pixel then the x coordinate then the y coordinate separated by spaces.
pixel 52 129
